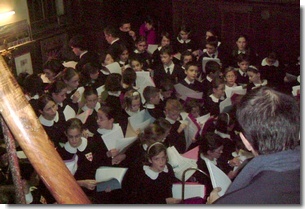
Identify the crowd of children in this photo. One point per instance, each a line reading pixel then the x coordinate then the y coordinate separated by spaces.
pixel 79 106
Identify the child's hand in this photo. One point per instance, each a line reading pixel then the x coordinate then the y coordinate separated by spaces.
pixel 112 153
pixel 172 200
pixel 86 133
pixel 118 159
pixel 88 183
pixel 181 127
pixel 108 189
pixel 213 195
pixel 75 97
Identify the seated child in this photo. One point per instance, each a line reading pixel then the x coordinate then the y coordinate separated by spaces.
pixel 152 100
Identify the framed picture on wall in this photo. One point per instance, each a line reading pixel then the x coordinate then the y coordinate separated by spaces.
pixel 23 63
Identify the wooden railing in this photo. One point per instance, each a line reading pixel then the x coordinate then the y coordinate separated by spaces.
pixel 32 138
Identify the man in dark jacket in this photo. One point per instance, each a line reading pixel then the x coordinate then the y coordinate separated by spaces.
pixel 270 123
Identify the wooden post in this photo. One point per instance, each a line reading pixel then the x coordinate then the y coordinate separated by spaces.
pixel 27 130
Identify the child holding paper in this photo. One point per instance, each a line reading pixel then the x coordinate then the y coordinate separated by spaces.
pixel 255 79
pixel 190 81
pixel 217 96
pixel 210 149
pixel 151 183
pixel 85 156
pixel 155 132
pixel 176 138
pixel 106 126
pixel 152 97
pixel 131 105
pixel 88 113
pixel 74 91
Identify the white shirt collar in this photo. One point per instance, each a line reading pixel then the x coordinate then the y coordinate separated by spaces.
pixel 97 106
pixel 153 174
pixel 241 52
pixel 171 66
pixel 241 72
pixel 264 83
pixel 209 79
pixel 102 131
pixel 222 135
pixel 82 53
pixel 189 82
pixel 182 41
pixel 170 120
pixel 114 93
pixel 214 99
pixel 114 40
pixel 130 113
pixel 49 123
pixel 149 106
pixel 275 64
pixel 215 54
pixel 81 147
pixel 214 161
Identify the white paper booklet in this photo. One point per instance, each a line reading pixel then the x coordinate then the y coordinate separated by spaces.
pixel 70 64
pixel 116 140
pixel 151 48
pixel 231 90
pixel 114 68
pixel 80 90
pixel 143 79
pixel 218 177
pixel 180 163
pixel 109 177
pixel 84 115
pixel 140 120
pixel 186 92
pixel 295 90
pixel 191 189
pixel 225 105
pixel 69 112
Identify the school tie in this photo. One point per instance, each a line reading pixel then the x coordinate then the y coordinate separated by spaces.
pixel 168 72
pixel 244 74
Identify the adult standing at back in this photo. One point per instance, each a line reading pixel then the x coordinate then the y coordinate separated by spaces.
pixel 112 38
pixel 270 123
pixel 79 45
pixel 126 35
pixel 147 29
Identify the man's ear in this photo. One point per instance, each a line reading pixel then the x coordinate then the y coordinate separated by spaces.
pixel 247 144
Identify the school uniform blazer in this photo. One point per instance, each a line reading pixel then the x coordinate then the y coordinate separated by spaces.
pixel 155 112
pixel 207 88
pixel 176 76
pixel 143 186
pixel 212 107
pixel 114 49
pixel 176 139
pixel 54 128
pixel 241 80
pixel 88 57
pixel 127 40
pixel 182 46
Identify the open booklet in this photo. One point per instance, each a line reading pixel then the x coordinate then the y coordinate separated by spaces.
pixel 140 120
pixel 194 127
pixel 218 177
pixel 180 163
pixel 114 68
pixel 143 80
pixel 191 189
pixel 151 48
pixel 116 140
pixel 109 177
pixel 186 92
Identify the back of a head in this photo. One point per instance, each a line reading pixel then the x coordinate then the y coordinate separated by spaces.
pixel 270 120
pixel 212 66
pixel 111 30
pixel 53 64
pixel 79 41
